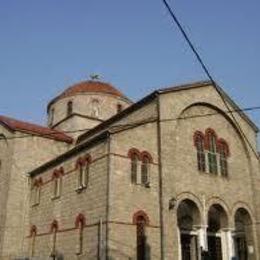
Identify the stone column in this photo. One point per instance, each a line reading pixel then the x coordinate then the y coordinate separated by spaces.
pixel 228 243
pixel 202 237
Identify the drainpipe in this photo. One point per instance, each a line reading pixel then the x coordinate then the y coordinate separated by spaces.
pixel 159 141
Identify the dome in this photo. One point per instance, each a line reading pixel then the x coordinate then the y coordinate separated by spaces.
pixel 88 87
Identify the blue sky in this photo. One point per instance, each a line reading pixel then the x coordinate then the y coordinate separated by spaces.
pixel 48 45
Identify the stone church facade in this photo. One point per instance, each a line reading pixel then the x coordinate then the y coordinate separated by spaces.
pixel 173 176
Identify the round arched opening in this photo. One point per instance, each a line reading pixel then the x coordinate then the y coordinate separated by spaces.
pixel 217 221
pixel 189 219
pixel 243 235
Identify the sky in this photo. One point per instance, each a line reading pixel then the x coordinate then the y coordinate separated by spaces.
pixel 46 46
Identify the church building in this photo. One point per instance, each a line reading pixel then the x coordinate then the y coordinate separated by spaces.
pixel 174 176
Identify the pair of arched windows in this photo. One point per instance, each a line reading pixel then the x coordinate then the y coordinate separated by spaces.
pixel 140 166
pixel 212 153
pixel 82 167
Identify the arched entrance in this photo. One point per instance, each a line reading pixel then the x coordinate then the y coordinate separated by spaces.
pixel 188 220
pixel 243 235
pixel 217 221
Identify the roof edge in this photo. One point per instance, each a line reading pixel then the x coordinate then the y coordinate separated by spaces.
pixel 59 159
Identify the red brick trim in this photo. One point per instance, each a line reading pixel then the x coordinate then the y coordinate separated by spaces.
pixel 134 152
pixel 88 159
pixel 208 133
pixel 54 226
pixel 80 221
pixel 57 173
pixel 33 231
pixel 138 214
pixel 223 144
pixel 38 182
pixel 198 135
pixel 146 154
pixel 82 161
pixel 92 225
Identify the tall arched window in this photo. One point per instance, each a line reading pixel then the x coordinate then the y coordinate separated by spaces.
pixel 83 171
pixel 145 170
pixel 95 108
pixel 223 156
pixel 134 167
pixel 57 179
pixel 51 116
pixel 212 153
pixel 141 221
pixel 134 155
pixel 69 108
pixel 36 192
pixel 140 238
pixel 80 224
pixel 54 230
pixel 119 108
pixel 199 144
pixel 33 233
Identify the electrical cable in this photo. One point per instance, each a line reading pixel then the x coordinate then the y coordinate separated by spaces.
pixel 134 124
pixel 207 72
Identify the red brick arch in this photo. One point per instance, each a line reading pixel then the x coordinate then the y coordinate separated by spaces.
pixel 198 135
pixel 80 220
pixel 54 226
pixel 138 214
pixel 33 230
pixel 146 154
pixel 134 152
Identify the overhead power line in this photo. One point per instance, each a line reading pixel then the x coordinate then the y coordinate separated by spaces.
pixel 134 124
pixel 207 71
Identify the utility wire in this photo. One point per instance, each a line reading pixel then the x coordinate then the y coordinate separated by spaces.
pixel 207 72
pixel 134 124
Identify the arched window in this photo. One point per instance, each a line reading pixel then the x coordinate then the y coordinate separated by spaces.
pixel 223 156
pixel 212 153
pixel 36 192
pixel 83 171
pixel 199 144
pixel 134 168
pixel 51 116
pixel 95 108
pixel 80 224
pixel 134 155
pixel 54 230
pixel 145 168
pixel 119 108
pixel 69 108
pixel 33 233
pixel 141 221
pixel 57 179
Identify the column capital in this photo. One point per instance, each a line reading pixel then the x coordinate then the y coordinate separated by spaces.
pixel 200 226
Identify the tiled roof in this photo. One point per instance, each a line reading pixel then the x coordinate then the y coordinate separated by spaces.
pixel 17 125
pixel 89 86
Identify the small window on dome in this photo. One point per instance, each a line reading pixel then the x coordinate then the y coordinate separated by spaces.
pixel 119 108
pixel 95 108
pixel 51 116
pixel 69 108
